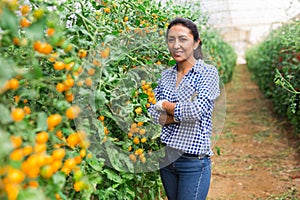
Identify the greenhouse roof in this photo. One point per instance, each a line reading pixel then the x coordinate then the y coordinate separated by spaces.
pixel 249 13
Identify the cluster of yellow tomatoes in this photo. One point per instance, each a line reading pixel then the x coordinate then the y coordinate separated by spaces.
pixel 38 160
pixel 137 131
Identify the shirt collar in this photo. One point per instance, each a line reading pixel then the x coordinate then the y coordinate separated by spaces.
pixel 195 68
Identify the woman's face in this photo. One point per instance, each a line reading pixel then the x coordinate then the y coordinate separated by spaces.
pixel 181 43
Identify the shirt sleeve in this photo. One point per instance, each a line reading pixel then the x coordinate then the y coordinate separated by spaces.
pixel 208 91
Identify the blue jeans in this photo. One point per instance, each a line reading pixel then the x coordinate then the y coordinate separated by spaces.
pixel 187 178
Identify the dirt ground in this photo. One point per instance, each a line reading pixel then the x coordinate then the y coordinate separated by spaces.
pixel 260 157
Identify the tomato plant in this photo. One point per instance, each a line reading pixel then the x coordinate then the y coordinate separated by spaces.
pixel 76 80
pixel 275 64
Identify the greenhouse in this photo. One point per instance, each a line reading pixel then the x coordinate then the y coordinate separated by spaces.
pixel 149 99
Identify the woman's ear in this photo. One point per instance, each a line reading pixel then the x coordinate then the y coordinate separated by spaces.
pixel 197 43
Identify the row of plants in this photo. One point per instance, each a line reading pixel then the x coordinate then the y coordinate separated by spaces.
pixel 275 64
pixel 76 79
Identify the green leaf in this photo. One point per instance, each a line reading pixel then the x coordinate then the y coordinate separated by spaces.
pixel 9 21
pixel 172 62
pixel 96 164
pixel 5 145
pixel 95 178
pixel 7 70
pixel 143 95
pixel 218 150
pixel 36 30
pixel 59 179
pixel 31 193
pixel 5 117
pixel 112 175
pixel 42 122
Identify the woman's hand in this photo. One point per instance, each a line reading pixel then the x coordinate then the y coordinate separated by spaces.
pixel 165 119
pixel 169 107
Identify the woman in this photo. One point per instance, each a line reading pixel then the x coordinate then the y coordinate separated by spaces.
pixel 185 100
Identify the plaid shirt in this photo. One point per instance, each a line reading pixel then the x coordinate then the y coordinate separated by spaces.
pixel 194 98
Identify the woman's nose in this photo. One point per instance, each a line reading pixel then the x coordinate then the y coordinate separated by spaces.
pixel 176 44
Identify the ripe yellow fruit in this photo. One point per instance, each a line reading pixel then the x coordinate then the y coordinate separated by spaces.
pixel 58 65
pixel 27 150
pixel 82 153
pixel 47 171
pixel 38 13
pixel 60 87
pixel 73 139
pixel 53 120
pixel 142 158
pixel 58 154
pixel 136 140
pixel 142 131
pixel 69 97
pixel 59 134
pixel 70 163
pixel 16 41
pixel 25 9
pixel 89 81
pixel 42 137
pixel 91 71
pixel 72 112
pixel 40 148
pixel 140 123
pixel 79 185
pixel 33 184
pixel 105 53
pixel 106 10
pixel 66 170
pixel 16 154
pixel 101 118
pixel 132 157
pixel 78 159
pixel 24 22
pixel 129 148
pixel 56 165
pixel 16 141
pixel 15 175
pixel 139 151
pixel 68 48
pixel 138 110
pixel 69 66
pixel 27 110
pixel 50 31
pixel 130 135
pixel 13 84
pixel 82 53
pixel 143 140
pixel 69 82
pixel 17 114
pixel 125 19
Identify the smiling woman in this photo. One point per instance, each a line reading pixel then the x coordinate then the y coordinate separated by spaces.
pixel 186 95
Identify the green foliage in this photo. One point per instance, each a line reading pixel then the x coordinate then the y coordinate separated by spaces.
pixel 275 64
pixel 112 84
pixel 219 53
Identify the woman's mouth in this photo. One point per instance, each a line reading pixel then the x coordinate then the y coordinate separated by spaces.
pixel 177 53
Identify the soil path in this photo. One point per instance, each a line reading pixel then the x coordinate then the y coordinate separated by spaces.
pixel 259 158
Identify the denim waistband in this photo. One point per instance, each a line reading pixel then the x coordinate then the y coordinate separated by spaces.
pixel 177 153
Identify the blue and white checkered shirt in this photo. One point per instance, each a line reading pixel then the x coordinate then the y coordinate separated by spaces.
pixel 194 98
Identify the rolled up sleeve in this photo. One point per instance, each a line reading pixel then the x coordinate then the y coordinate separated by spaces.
pixel 204 103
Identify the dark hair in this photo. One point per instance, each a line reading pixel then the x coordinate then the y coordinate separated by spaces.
pixel 194 31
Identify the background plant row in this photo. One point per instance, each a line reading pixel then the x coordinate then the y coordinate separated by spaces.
pixel 76 79
pixel 275 64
